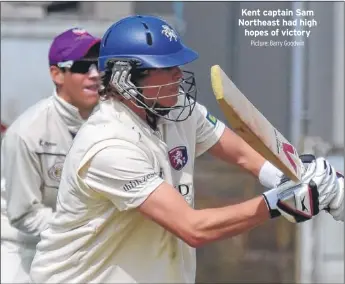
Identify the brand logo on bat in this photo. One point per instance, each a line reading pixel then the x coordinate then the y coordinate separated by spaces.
pixel 289 150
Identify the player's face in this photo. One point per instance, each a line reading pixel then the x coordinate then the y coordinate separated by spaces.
pixel 164 85
pixel 81 83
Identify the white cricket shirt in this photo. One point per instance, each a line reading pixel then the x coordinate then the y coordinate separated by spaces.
pixel 115 163
pixel 33 151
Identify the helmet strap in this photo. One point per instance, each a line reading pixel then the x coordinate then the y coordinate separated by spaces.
pixel 151 119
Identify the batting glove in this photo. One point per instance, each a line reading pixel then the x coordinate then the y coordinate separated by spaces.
pixel 336 206
pixel 299 202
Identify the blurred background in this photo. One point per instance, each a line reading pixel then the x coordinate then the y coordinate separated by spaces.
pixel 299 89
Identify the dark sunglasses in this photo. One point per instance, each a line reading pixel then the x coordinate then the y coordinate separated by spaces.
pixel 80 66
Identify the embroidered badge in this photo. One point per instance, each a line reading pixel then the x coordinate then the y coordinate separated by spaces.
pixel 55 171
pixel 178 157
pixel 211 118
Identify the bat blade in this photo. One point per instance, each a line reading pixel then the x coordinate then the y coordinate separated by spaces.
pixel 249 123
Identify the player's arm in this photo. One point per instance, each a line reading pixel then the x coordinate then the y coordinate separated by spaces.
pixel 221 142
pixel 22 184
pixel 232 148
pixel 296 202
pixel 125 175
pixel 168 208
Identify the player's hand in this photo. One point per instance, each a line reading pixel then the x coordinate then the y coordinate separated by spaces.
pixel 299 202
pixel 336 206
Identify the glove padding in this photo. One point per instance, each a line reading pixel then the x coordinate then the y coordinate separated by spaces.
pixel 271 197
pixel 336 206
pixel 300 201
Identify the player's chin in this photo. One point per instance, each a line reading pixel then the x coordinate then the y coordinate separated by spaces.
pixel 90 92
pixel 90 97
pixel 169 101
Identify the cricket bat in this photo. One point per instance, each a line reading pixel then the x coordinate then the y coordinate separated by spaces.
pixel 249 123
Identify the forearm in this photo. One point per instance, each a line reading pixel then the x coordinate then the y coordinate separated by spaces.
pixel 34 222
pixel 250 160
pixel 220 223
pixel 232 149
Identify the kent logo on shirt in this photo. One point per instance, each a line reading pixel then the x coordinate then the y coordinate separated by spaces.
pixel 211 119
pixel 178 157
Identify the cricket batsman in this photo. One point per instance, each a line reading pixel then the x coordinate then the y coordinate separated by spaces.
pixel 34 149
pixel 125 207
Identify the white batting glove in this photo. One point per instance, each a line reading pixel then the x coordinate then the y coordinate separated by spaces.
pixel 336 206
pixel 299 202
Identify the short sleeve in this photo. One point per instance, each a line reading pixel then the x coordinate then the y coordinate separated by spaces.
pixel 123 173
pixel 209 129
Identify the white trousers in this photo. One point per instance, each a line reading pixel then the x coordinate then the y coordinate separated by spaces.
pixel 16 259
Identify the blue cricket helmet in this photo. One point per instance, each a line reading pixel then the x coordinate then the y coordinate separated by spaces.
pixel 148 40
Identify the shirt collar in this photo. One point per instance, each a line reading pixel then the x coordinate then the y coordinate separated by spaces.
pixel 69 113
